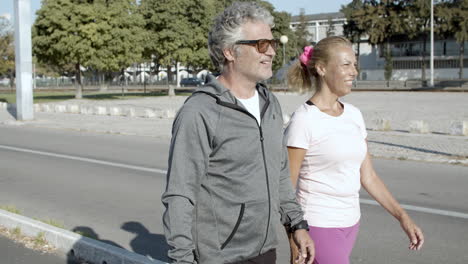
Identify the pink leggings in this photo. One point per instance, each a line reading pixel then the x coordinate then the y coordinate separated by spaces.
pixel 333 245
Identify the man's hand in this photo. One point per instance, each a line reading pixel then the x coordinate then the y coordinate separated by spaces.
pixel 305 246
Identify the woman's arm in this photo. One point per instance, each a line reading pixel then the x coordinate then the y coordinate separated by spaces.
pixel 377 189
pixel 296 156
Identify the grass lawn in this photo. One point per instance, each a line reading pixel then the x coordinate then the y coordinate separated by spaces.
pixel 47 96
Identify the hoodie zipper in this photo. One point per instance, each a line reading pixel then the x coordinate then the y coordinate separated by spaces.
pixel 268 189
pixel 240 109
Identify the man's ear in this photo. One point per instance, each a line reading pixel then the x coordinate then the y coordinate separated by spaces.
pixel 229 54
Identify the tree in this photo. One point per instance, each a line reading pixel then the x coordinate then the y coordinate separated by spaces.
pixel 177 31
pixel 382 20
pixel 301 32
pixel 7 50
pixel 452 16
pixel 351 28
pixel 121 35
pixel 418 20
pixel 282 22
pixel 331 27
pixel 99 34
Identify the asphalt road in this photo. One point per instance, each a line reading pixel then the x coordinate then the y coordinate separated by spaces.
pixel 14 253
pixel 110 186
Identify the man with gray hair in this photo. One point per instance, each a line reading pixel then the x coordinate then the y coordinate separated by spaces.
pixel 228 180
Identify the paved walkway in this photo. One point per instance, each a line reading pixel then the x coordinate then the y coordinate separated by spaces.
pixel 439 110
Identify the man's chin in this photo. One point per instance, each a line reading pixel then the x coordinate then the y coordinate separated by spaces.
pixel 267 76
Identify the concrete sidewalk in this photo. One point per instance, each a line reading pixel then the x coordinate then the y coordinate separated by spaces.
pixel 153 117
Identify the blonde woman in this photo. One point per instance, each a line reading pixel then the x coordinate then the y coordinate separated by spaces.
pixel 329 161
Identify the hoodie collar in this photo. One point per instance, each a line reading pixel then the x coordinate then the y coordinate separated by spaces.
pixel 213 86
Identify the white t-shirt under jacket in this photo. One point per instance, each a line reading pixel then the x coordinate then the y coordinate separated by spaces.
pixel 329 178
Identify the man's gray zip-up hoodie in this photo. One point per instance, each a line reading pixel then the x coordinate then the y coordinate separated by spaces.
pixel 228 179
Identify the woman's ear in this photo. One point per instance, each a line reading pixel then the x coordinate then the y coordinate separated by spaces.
pixel 320 69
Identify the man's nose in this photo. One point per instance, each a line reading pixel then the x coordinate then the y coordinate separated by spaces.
pixel 270 51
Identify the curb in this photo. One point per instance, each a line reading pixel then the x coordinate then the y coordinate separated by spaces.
pixel 74 244
pixel 101 110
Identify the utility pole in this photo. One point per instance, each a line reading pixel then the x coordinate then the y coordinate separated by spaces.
pixel 431 82
pixel 23 60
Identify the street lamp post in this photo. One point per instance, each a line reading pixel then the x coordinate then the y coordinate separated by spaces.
pixel 431 83
pixel 284 40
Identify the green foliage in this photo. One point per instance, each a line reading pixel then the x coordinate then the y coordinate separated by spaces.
pixel 40 240
pixel 53 223
pixel 381 19
pixel 282 21
pixel 10 208
pixel 177 30
pixel 118 35
pixel 418 17
pixel 7 49
pixel 388 68
pixel 351 29
pixel 451 15
pixel 102 35
pixel 16 231
pixel 301 32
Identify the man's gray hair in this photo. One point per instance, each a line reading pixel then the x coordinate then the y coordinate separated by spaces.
pixel 226 29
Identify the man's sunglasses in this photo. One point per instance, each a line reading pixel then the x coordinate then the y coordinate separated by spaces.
pixel 260 44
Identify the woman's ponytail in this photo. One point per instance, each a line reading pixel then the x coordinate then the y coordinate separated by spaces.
pixel 299 78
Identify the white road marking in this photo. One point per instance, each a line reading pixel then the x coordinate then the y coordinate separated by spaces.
pixel 96 161
pixel 422 209
pixel 140 168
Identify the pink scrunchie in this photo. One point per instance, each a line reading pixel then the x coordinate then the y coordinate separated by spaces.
pixel 306 55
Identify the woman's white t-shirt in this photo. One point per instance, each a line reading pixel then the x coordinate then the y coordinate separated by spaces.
pixel 329 178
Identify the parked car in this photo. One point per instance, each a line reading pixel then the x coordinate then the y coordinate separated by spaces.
pixel 191 81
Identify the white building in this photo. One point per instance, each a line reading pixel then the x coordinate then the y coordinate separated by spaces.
pixel 406 54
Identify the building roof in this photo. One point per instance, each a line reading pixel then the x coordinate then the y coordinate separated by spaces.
pixel 321 16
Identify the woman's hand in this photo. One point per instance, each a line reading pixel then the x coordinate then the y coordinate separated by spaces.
pixel 413 232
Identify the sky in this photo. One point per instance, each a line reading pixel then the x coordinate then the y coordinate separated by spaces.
pixel 310 6
pixel 290 6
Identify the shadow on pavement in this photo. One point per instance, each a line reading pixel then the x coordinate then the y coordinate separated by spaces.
pixel 416 149
pixel 146 243
pixel 12 110
pixel 90 233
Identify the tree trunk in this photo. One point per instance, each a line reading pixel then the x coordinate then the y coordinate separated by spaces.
pixel 462 51
pixel 12 80
pixel 103 85
pixel 388 63
pixel 78 84
pixel 358 60
pixel 169 73
pixel 134 73
pixel 423 63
